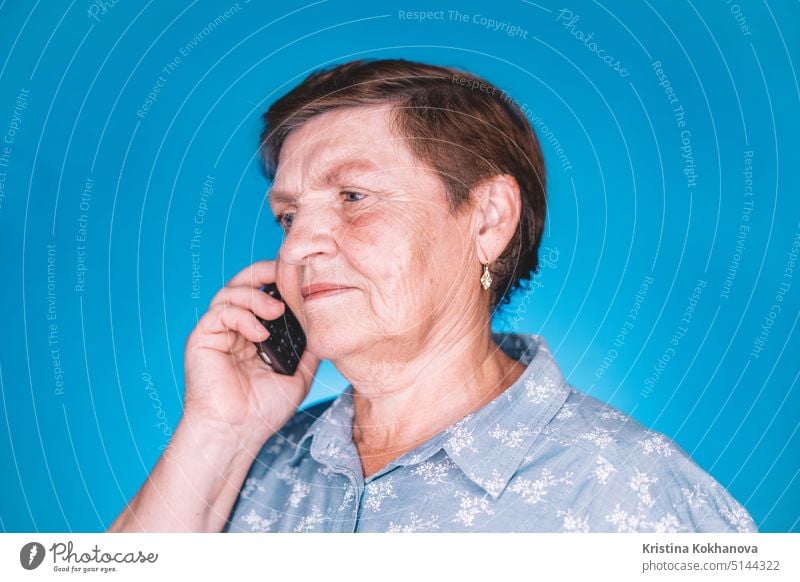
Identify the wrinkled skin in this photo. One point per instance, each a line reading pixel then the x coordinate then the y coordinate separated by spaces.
pixel 412 334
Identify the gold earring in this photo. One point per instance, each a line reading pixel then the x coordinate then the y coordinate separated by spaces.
pixel 486 278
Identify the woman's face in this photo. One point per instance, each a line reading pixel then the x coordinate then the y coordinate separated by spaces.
pixel 359 212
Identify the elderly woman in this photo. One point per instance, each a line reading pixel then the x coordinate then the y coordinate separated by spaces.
pixel 412 200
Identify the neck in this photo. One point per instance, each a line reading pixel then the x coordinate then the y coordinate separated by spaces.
pixel 402 397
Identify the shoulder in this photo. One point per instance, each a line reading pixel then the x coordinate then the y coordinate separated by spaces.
pixel 626 477
pixel 305 417
pixel 270 468
pixel 284 442
pixel 595 426
pixel 282 446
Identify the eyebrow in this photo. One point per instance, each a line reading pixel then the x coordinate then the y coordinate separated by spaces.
pixel 331 176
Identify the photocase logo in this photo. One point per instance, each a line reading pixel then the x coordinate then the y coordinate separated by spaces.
pixel 31 555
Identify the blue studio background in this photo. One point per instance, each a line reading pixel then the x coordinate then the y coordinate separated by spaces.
pixel 668 286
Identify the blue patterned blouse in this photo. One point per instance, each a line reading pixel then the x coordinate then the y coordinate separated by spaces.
pixel 540 457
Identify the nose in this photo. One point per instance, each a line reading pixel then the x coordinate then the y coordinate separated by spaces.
pixel 310 236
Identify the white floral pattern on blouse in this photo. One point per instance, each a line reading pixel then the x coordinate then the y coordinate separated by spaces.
pixel 540 457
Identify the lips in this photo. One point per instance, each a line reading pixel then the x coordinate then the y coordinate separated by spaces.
pixel 309 290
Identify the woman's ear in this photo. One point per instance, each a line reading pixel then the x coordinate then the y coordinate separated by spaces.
pixel 497 217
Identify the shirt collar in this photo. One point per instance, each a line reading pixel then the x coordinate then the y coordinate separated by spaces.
pixel 489 444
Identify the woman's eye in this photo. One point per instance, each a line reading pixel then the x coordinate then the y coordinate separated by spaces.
pixel 351 196
pixel 284 220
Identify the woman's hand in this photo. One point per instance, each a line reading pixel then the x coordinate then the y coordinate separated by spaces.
pixel 233 403
pixel 227 384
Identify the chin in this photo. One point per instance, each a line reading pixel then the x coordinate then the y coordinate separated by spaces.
pixel 336 329
pixel 330 343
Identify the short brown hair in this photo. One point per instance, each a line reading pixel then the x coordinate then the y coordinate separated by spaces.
pixel 460 126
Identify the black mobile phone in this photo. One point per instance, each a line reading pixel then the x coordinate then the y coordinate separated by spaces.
pixel 284 347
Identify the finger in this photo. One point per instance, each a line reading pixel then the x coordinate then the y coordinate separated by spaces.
pixel 260 303
pixel 255 275
pixel 223 318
